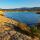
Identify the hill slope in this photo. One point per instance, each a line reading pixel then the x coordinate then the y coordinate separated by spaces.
pixel 12 30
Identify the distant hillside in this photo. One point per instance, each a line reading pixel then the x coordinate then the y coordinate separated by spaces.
pixel 22 9
pixel 29 9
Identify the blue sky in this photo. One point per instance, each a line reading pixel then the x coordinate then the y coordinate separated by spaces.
pixel 19 3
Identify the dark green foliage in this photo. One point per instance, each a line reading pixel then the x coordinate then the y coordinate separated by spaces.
pixel 34 31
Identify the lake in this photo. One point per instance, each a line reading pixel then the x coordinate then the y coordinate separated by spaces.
pixel 24 17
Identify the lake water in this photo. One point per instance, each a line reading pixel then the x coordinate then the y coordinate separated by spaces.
pixel 25 17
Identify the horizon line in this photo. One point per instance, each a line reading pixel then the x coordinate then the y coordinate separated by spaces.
pixel 16 7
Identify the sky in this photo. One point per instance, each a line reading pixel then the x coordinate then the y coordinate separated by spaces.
pixel 5 4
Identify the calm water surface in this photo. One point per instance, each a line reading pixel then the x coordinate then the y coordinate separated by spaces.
pixel 25 17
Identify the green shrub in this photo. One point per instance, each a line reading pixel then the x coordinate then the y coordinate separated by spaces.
pixel 33 30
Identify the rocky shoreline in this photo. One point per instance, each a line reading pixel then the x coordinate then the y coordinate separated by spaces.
pixel 8 32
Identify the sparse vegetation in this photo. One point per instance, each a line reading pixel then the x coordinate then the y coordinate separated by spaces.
pixel 34 31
